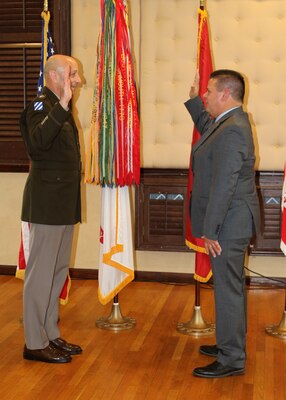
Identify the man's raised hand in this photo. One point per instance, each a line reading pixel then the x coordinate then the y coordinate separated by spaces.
pixel 194 91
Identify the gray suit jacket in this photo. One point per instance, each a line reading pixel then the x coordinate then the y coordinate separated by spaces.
pixel 224 203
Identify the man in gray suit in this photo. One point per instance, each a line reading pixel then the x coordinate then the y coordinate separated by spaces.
pixel 52 206
pixel 224 209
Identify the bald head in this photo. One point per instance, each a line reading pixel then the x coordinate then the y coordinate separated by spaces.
pixel 56 62
pixel 54 72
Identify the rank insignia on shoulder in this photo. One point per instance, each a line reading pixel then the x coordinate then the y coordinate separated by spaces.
pixel 38 105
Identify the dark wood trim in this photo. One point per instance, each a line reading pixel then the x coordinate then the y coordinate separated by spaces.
pixel 13 153
pixel 164 277
pixel 7 270
pixel 62 26
pixel 14 167
pixel 79 273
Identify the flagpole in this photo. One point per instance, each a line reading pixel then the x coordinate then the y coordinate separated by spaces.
pixel 46 6
pixel 115 321
pixel 197 326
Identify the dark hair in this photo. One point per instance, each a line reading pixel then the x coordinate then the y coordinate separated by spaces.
pixel 227 78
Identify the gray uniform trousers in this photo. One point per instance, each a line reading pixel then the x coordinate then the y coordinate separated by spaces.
pixel 230 302
pixel 45 274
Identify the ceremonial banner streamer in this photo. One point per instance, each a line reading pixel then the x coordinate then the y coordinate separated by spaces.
pixel 283 210
pixel 114 146
pixel 204 64
pixel 113 158
pixel 47 50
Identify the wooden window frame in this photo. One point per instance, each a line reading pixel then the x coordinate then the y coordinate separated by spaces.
pixel 160 181
pixel 269 187
pixel 13 156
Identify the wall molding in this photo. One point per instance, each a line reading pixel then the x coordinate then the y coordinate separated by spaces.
pixel 164 277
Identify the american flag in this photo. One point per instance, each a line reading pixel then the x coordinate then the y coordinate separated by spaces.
pixel 47 49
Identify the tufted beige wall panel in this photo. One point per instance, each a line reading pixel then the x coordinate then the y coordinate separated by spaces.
pixel 247 35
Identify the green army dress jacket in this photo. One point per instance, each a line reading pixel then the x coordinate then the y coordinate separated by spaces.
pixel 52 191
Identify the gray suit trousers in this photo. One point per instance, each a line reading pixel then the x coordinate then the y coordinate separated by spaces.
pixel 46 271
pixel 230 302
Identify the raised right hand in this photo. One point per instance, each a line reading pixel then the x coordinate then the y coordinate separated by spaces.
pixel 194 91
pixel 66 93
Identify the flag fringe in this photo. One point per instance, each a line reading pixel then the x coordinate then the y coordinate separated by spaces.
pixel 20 274
pixel 194 247
pixel 107 258
pixel 203 19
pixel 107 298
pixel 203 279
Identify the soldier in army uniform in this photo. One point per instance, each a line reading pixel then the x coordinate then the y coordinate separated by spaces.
pixel 52 206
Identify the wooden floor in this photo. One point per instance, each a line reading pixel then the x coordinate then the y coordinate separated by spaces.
pixel 151 361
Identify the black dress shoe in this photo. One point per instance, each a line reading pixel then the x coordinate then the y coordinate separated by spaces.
pixel 211 351
pixel 49 355
pixel 217 370
pixel 69 348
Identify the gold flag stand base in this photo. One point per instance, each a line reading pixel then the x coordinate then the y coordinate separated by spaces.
pixel 196 326
pixel 115 322
pixel 278 331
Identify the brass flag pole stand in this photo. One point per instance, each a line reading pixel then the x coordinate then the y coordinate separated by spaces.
pixel 115 321
pixel 197 326
pixel 278 331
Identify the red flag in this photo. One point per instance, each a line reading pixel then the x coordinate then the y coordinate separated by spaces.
pixel 204 63
pixel 283 220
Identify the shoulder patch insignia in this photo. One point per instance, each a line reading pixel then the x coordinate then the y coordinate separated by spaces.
pixel 38 105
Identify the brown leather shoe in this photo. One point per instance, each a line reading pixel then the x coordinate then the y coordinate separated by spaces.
pixel 69 348
pixel 49 355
